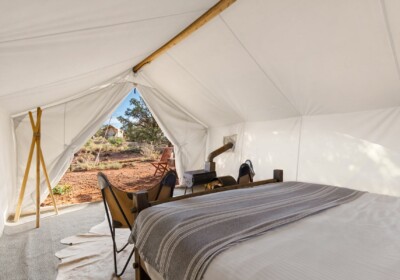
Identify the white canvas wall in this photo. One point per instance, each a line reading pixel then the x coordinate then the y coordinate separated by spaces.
pixel 7 167
pixel 269 145
pixel 357 150
pixel 272 145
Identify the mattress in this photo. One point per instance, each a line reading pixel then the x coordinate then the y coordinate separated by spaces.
pixel 357 240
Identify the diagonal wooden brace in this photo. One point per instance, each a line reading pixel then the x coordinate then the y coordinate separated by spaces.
pixel 36 137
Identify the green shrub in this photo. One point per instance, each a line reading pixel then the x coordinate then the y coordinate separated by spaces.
pixel 116 141
pixel 62 189
pixel 111 165
pixel 102 166
pixel 83 166
pixel 149 152
pixel 133 150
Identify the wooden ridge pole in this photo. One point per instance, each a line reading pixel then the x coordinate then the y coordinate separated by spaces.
pixel 203 19
pixel 36 139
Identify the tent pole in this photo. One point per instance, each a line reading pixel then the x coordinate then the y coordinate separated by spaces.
pixel 203 19
pixel 38 118
pixel 46 175
pixel 36 137
pixel 24 181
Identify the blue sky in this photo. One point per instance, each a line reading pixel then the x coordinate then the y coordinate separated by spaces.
pixel 121 109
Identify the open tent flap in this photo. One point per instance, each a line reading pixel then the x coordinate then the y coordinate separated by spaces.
pixel 65 128
pixel 188 135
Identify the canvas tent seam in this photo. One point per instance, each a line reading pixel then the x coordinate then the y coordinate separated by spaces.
pixel 299 148
pixel 89 91
pixel 65 113
pixel 70 78
pixel 390 36
pixel 97 27
pixel 259 66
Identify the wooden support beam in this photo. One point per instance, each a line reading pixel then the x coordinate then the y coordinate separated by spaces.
pixel 36 139
pixel 46 175
pixel 203 19
pixel 24 181
pixel 38 126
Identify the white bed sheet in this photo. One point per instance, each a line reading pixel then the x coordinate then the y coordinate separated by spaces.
pixel 359 240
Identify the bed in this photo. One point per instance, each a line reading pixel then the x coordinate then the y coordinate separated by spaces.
pixel 308 232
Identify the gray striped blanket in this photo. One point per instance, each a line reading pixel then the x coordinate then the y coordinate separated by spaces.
pixel 179 239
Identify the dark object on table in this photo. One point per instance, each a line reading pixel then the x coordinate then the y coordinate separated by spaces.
pixel 246 172
pixel 223 181
pixel 206 175
pixel 197 177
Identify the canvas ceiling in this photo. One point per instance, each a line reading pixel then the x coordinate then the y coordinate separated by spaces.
pixel 262 69
pixel 264 60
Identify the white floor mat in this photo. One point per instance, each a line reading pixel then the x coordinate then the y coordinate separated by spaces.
pixel 90 255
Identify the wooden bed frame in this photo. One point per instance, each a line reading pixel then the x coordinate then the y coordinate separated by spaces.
pixel 142 203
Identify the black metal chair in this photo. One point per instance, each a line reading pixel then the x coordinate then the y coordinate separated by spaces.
pixel 246 172
pixel 120 207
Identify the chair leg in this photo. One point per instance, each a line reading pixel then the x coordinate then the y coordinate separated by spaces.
pixel 126 264
pixel 116 251
pixel 164 169
pixel 123 248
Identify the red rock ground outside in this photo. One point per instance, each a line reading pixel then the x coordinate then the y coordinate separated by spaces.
pixel 136 176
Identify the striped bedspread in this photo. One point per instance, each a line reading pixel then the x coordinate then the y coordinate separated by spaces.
pixel 179 239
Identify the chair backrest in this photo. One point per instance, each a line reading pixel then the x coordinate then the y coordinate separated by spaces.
pixel 246 172
pixel 165 188
pixel 166 154
pixel 119 203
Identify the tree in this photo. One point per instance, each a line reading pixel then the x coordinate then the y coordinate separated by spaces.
pixel 139 125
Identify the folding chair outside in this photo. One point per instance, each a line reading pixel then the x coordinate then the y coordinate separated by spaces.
pixel 162 165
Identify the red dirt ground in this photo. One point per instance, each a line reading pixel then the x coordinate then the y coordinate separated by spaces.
pixel 138 176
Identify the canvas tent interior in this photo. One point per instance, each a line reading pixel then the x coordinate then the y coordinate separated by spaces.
pixel 311 87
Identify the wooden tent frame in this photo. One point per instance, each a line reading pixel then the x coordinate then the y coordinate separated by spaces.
pixel 198 23
pixel 36 137
pixel 202 20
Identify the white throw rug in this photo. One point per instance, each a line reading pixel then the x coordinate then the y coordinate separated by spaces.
pixel 90 255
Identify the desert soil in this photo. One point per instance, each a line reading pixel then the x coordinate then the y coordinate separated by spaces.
pixel 137 175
